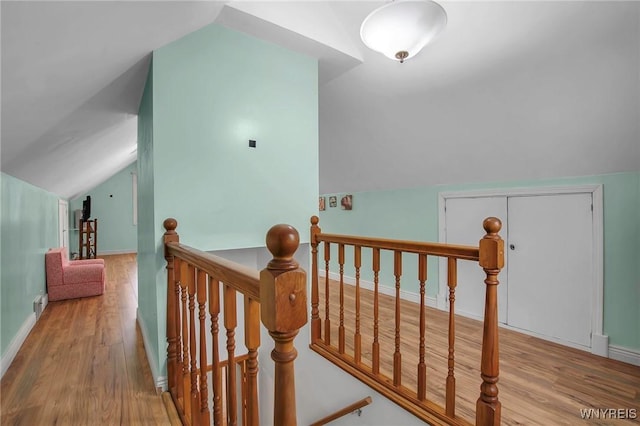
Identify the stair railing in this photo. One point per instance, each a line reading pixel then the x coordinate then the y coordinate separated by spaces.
pixel 489 255
pixel 207 378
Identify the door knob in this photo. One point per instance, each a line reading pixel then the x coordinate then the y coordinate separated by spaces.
pixel 512 247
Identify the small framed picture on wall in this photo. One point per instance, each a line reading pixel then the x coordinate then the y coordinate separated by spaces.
pixel 321 205
pixel 333 201
pixel 346 203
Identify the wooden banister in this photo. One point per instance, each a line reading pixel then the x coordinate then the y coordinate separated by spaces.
pixel 343 411
pixel 492 261
pixel 198 284
pixel 284 311
pixel 171 236
pixel 433 249
pixel 375 371
pixel 315 299
pixel 240 278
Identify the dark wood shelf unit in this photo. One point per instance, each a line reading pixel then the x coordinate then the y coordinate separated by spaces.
pixel 88 239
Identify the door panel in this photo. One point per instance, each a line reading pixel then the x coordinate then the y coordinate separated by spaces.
pixel 550 265
pixel 463 221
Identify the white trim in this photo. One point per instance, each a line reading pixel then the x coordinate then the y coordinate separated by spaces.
pixel 63 225
pixel 597 312
pixel 389 291
pixel 159 381
pixel 598 344
pixel 520 192
pixel 16 343
pixel 619 353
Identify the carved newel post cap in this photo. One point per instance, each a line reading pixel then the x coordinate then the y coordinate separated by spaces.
pixel 315 220
pixel 282 242
pixel 170 224
pixel 492 225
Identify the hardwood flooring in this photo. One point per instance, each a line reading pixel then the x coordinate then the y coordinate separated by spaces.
pixel 84 362
pixel 541 383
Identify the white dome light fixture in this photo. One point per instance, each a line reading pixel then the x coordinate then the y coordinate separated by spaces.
pixel 400 29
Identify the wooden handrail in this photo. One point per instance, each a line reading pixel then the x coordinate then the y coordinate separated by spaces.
pixel 200 284
pixel 433 249
pixel 489 255
pixel 346 410
pixel 241 278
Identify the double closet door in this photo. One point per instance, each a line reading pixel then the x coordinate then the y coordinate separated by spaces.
pixel 546 285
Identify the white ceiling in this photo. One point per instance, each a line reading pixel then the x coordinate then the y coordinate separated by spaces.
pixel 532 89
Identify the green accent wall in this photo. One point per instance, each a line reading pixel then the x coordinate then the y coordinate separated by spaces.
pixel 213 91
pixel 29 229
pixel 112 205
pixel 412 214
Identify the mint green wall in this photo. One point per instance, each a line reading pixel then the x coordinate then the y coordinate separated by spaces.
pixel 413 214
pixel 147 257
pixel 112 205
pixel 29 229
pixel 213 90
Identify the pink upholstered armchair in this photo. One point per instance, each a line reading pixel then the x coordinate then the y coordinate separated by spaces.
pixel 72 279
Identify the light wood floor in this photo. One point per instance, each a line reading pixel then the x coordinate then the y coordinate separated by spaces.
pixel 84 362
pixel 541 383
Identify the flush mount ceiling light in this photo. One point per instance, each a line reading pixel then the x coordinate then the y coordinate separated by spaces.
pixel 400 29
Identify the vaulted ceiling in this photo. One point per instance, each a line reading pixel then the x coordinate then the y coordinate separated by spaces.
pixel 510 90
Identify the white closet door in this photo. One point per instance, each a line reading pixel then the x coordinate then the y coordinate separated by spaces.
pixel 550 248
pixel 464 217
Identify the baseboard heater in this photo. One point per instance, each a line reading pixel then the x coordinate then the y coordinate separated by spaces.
pixel 39 304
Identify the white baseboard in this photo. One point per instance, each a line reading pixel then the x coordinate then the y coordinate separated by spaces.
pixel 389 291
pixel 630 356
pixel 113 252
pixel 158 380
pixel 16 343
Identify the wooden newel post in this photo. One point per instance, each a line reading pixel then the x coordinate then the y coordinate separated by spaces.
pixel 171 236
pixel 492 261
pixel 283 301
pixel 315 297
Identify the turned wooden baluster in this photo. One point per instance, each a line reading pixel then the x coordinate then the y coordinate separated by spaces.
pixel 327 320
pixel 171 236
pixel 452 281
pixel 178 296
pixel 397 356
pixel 375 347
pixel 195 395
pixel 284 312
pixel 422 366
pixel 316 326
pixel 357 340
pixel 230 323
pixel 252 341
pixel 216 379
pixel 341 326
pixel 201 289
pixel 492 261
pixel 184 336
